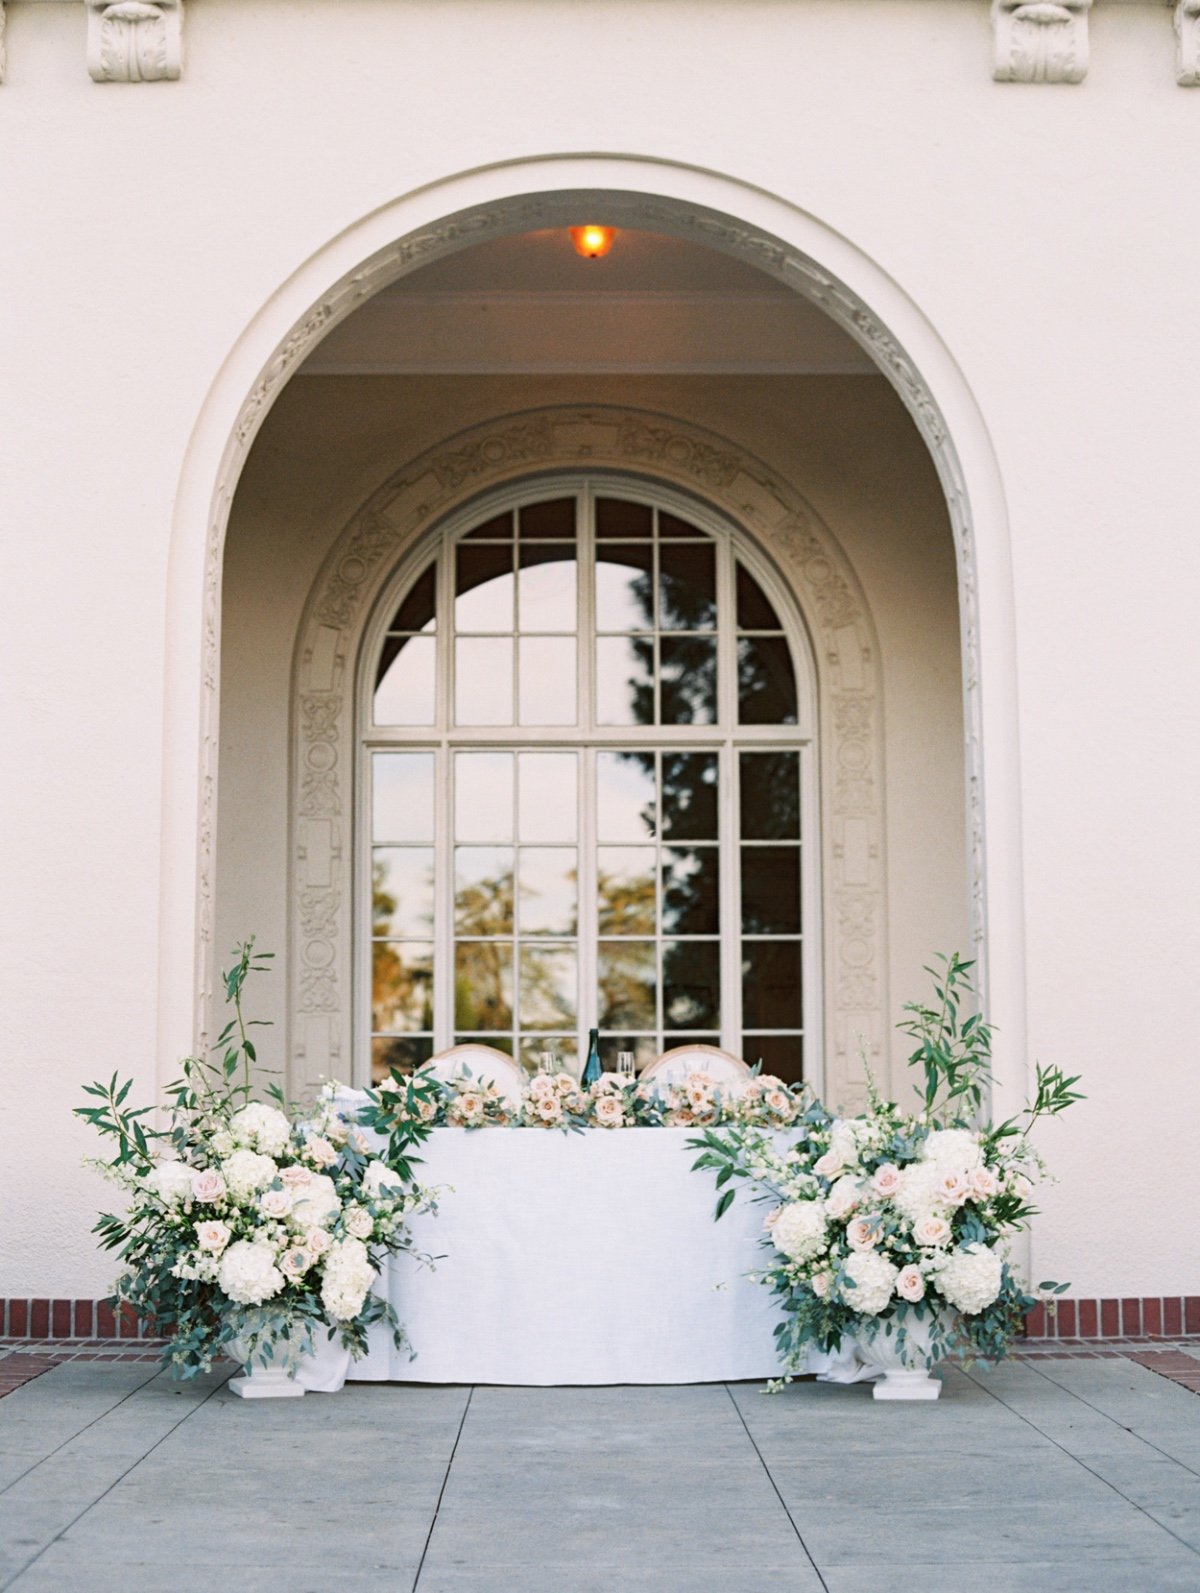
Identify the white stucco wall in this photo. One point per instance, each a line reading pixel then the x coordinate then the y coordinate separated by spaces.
pixel 1046 233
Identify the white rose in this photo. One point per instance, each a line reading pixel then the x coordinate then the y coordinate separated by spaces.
pixel 821 1283
pixel 952 1150
pixel 954 1189
pixel 295 1175
pixel 275 1202
pixel 359 1223
pixel 828 1166
pixel 317 1241
pixel 910 1283
pixel 984 1183
pixel 171 1181
pixel 843 1197
pixel 872 1278
pixel 886 1180
pixel 295 1263
pixel 862 1233
pixel 212 1236
pixel 261 1128
pixel 319 1151
pixel 248 1273
pixel 246 1172
pixel 608 1111
pixel 208 1186
pixel 799 1231
pixel 316 1203
pixel 930 1231
pixel 970 1278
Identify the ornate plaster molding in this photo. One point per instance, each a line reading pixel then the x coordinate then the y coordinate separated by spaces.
pixel 134 41
pixel 679 219
pixel 1187 43
pixel 1040 41
pixel 364 559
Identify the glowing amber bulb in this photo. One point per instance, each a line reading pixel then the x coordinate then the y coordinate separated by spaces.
pixel 592 242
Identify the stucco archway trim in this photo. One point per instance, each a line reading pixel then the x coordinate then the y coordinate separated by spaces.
pixel 666 450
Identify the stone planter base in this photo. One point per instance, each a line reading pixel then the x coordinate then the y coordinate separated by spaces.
pixel 901 1383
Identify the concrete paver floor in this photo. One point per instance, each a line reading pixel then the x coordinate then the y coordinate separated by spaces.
pixel 1064 1475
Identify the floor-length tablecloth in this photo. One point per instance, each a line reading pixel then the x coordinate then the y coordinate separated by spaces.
pixel 577 1258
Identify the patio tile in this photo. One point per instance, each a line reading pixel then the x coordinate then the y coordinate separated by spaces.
pixel 1170 1573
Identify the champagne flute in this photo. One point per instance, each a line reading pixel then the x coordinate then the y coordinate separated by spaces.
pixel 625 1066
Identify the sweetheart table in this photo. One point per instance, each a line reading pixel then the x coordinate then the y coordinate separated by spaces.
pixel 568 1258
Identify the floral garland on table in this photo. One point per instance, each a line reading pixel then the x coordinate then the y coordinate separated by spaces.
pixel 896 1223
pixel 246 1220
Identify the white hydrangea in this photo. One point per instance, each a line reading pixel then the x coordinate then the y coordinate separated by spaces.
pixel 347 1276
pixel 874 1280
pixel 248 1273
pixel 845 1194
pixel 246 1172
pixel 378 1177
pixel 919 1193
pixel 953 1150
pixel 315 1204
pixel 171 1181
pixel 843 1142
pixel 970 1278
pixel 799 1231
pixel 261 1128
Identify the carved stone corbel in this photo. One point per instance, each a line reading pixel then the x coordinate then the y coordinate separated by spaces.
pixel 1040 41
pixel 1187 43
pixel 3 56
pixel 134 41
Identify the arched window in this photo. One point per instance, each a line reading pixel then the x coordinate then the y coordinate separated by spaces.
pixel 587 792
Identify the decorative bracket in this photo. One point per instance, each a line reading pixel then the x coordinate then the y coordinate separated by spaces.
pixel 1040 41
pixel 134 41
pixel 1187 43
pixel 3 57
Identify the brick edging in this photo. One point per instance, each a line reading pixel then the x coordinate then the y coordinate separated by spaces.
pixel 70 1319
pixel 1155 1316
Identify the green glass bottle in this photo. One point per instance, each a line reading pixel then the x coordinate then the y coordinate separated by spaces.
pixel 592 1069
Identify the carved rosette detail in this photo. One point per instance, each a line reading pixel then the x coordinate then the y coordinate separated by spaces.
pixel 424 491
pixel 135 41
pixel 337 607
pixel 1040 41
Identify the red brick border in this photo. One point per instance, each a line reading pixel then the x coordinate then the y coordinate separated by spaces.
pixel 1171 1316
pixel 70 1319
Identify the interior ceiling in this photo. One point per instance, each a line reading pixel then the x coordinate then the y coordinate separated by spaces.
pixel 529 304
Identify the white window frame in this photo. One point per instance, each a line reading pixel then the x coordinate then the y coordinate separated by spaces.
pixel 726 737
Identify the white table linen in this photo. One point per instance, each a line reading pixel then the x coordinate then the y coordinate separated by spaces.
pixel 581 1258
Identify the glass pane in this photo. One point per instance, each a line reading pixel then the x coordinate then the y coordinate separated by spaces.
pixel 404 690
pixel 401 986
pixel 484 589
pixel 625 974
pixel 483 686
pixel 617 518
pixel 624 680
pixel 687 587
pixel 388 1052
pixel 483 986
pixel 402 796
pixel 483 796
pixel 625 888
pixel 565 1048
pixel 766 681
pixel 625 589
pixel 483 890
pixel 546 588
pixel 771 890
pixel 689 804
pixel 416 612
pixel 689 680
pixel 780 1054
pixel 754 609
pixel 500 525
pixel 549 807
pixel 691 886
pixel 549 981
pixel 498 1042
pixel 644 1047
pixel 549 889
pixel 670 525
pixel 771 984
pixel 769 783
pixel 402 890
pixel 547 683
pixel 691 984
pixel 625 796
pixel 549 520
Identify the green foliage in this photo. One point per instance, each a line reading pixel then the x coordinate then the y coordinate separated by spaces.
pixel 953 1053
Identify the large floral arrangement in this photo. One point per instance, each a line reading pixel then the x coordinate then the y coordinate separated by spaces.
pixel 245 1220
pixel 897 1222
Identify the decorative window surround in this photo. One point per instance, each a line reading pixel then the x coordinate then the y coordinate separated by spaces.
pixel 134 41
pixel 1187 43
pixel 1040 41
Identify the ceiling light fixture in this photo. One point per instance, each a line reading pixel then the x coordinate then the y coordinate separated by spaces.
pixel 592 242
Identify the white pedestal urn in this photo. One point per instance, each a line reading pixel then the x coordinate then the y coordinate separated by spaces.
pixel 289 1375
pixel 906 1375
